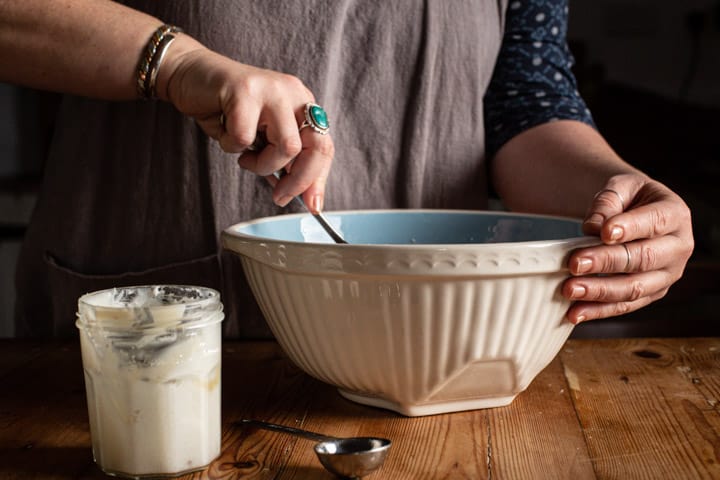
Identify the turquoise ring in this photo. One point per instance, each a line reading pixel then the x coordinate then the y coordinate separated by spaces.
pixel 316 118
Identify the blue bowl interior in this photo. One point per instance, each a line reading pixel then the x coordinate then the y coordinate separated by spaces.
pixel 415 227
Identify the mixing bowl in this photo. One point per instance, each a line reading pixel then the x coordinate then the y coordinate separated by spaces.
pixel 425 311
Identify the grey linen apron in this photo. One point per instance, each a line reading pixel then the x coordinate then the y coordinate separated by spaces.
pixel 135 193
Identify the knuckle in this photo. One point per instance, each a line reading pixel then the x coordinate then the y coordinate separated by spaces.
pixel 290 146
pixel 659 223
pixel 608 261
pixel 648 258
pixel 292 82
pixel 326 148
pixel 245 137
pixel 622 308
pixel 601 292
pixel 248 86
pixel 689 247
pixel 674 276
pixel 637 290
pixel 685 214
pixel 607 200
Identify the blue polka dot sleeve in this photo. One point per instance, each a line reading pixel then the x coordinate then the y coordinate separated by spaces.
pixel 532 82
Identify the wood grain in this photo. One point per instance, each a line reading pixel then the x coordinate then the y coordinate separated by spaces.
pixel 539 435
pixel 606 409
pixel 648 408
pixel 43 416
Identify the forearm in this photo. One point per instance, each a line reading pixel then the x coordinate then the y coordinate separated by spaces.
pixel 555 168
pixel 85 47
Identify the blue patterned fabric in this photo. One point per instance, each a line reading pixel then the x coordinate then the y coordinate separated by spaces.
pixel 532 82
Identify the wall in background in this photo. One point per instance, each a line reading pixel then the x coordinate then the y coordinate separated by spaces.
pixel 22 140
pixel 668 47
pixel 9 139
pixel 650 72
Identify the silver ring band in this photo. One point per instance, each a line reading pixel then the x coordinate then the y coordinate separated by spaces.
pixel 629 258
pixel 622 201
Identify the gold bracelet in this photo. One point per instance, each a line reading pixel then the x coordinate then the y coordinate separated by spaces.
pixel 151 59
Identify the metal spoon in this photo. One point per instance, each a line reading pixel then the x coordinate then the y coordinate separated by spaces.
pixel 318 216
pixel 260 143
pixel 351 457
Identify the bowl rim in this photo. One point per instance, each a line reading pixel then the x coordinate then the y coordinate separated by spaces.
pixel 231 231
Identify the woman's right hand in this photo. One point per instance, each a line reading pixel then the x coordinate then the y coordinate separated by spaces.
pixel 205 85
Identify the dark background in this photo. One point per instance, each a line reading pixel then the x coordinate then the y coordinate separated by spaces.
pixel 650 73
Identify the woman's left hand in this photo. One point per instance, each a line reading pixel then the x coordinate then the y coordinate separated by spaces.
pixel 647 239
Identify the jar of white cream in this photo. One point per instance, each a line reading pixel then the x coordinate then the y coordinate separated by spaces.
pixel 151 357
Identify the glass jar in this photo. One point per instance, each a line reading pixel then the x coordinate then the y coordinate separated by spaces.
pixel 151 357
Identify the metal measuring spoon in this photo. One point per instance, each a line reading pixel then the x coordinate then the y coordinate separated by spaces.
pixel 351 457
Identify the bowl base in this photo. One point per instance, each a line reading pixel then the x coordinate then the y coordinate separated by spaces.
pixel 434 408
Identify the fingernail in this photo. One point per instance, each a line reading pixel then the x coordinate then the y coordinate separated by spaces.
pixel 616 233
pixel 578 291
pixel 284 200
pixel 595 219
pixel 583 265
pixel 316 203
pixel 580 319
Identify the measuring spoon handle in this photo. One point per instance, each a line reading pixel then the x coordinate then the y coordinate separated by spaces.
pixel 290 430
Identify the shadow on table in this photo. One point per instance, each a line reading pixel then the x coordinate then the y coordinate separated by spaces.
pixel 30 462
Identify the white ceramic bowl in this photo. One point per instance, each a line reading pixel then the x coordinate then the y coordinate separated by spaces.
pixel 425 312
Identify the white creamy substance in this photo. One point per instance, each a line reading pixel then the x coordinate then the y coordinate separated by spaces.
pixel 154 401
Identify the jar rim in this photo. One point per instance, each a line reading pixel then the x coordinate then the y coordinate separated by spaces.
pixel 149 307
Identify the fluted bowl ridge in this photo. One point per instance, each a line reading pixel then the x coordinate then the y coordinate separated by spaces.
pixel 424 311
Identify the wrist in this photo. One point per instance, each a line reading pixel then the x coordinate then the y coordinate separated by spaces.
pixel 174 58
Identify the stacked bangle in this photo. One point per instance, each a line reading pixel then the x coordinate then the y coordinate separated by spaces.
pixel 152 58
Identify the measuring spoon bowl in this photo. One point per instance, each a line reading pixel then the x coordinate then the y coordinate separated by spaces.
pixel 352 457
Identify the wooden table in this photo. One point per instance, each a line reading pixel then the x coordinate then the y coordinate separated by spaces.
pixel 621 409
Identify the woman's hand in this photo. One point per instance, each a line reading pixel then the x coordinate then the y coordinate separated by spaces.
pixel 646 231
pixel 205 85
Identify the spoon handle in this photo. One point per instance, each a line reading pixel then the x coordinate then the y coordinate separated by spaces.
pixel 260 143
pixel 291 430
pixel 318 216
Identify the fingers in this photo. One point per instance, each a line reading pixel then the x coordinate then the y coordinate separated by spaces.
pixel 605 296
pixel 612 280
pixel 635 256
pixel 618 288
pixel 585 311
pixel 631 207
pixel 647 238
pixel 607 203
pixel 653 220
pixel 278 124
pixel 240 125
pixel 232 102
pixel 312 168
pixel 308 172
pixel 305 154
pixel 280 129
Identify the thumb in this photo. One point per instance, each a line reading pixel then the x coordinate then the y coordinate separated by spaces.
pixel 606 203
